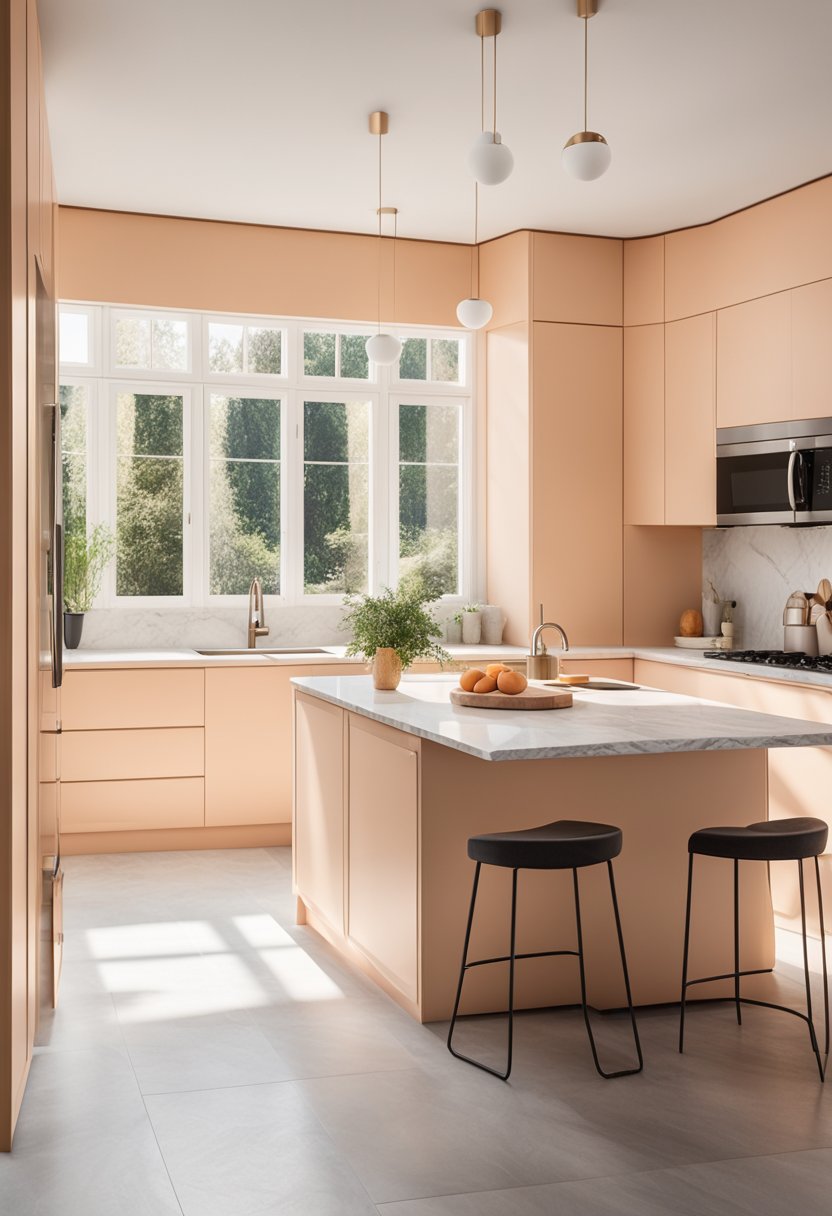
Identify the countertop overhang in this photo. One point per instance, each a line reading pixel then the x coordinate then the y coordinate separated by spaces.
pixel 639 722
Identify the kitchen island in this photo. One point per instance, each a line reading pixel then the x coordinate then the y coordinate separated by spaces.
pixel 390 785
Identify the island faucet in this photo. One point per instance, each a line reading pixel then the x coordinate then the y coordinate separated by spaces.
pixel 257 627
pixel 539 665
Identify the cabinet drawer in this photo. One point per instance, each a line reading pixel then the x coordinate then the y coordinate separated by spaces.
pixel 101 700
pixel 112 806
pixel 118 755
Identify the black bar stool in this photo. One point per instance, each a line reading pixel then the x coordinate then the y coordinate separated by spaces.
pixel 564 845
pixel 773 840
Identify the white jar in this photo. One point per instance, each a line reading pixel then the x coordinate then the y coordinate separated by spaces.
pixel 471 628
pixel 453 631
pixel 493 623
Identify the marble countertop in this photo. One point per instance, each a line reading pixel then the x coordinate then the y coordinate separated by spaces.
pixel 83 660
pixel 620 723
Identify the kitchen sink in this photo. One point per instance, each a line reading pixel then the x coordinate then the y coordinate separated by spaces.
pixel 266 650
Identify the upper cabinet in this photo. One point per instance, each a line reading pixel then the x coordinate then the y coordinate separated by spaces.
pixel 576 279
pixel 644 424
pixel 644 281
pixel 812 350
pixel 754 361
pixel 690 432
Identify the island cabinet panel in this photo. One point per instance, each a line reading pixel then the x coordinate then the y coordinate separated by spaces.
pixel 812 350
pixel 599 669
pixel 248 730
pixel 318 832
pixel 690 421
pixel 383 861
pixel 115 700
pixel 753 381
pixel 121 806
pixel 644 441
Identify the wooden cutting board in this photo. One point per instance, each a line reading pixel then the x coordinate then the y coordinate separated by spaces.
pixel 532 698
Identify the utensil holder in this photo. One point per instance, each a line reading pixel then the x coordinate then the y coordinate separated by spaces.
pixel 801 638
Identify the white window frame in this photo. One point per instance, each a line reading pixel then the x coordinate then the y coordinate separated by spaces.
pixel 342 383
pixel 250 378
pixel 107 470
pixel 94 365
pixel 204 465
pixel 115 370
pixel 465 506
pixel 383 390
pixel 464 388
pixel 376 515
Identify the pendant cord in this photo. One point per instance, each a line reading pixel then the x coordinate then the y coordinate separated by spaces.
pixel 475 284
pixel 482 83
pixel 495 90
pixel 395 238
pixel 586 67
pixel 378 277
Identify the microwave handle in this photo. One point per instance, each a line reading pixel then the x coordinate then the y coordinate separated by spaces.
pixel 790 479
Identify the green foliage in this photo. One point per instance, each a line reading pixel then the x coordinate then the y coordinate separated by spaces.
pixel 413 361
pixel 85 560
pixel 428 563
pixel 398 619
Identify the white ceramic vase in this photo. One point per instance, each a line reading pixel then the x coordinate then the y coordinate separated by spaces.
pixel 453 632
pixel 493 623
pixel 471 628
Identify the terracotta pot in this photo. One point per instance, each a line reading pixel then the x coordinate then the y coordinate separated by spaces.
pixel 387 668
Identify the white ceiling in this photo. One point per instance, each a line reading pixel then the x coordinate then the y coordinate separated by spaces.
pixel 256 110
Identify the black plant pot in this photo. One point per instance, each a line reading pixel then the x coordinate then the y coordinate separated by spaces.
pixel 73 628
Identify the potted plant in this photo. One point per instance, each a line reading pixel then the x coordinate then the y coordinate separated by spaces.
pixel 85 560
pixel 392 630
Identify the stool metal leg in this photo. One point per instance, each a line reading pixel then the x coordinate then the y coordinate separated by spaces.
pixel 683 999
pixel 503 1076
pixel 737 941
pixel 625 1072
pixel 823 962
pixel 809 1017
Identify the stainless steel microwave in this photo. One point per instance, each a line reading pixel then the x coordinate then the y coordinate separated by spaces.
pixel 778 473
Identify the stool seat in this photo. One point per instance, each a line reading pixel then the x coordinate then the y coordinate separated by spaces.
pixel 566 844
pixel 772 840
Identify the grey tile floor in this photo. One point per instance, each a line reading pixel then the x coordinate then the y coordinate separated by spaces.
pixel 211 1058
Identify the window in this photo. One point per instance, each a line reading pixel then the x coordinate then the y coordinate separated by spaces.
pixel 430 442
pixel 336 496
pixel 220 448
pixel 244 493
pixel 150 487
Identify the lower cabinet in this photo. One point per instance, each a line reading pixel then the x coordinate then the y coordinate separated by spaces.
pixel 318 837
pixel 122 806
pixel 799 778
pixel 245 720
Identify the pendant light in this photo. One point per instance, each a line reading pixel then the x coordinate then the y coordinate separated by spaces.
pixel 474 313
pixel 383 349
pixel 489 160
pixel 586 155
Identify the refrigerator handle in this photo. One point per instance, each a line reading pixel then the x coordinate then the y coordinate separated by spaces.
pixel 56 553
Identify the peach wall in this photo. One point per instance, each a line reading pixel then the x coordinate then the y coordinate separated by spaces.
pixel 125 258
pixel 505 278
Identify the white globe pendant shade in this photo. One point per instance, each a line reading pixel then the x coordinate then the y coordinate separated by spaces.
pixel 383 349
pixel 586 156
pixel 473 314
pixel 489 160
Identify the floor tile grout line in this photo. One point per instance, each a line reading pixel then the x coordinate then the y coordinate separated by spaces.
pixel 162 1156
pixel 335 1076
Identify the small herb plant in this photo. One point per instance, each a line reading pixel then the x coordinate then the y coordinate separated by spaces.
pixel 399 620
pixel 85 560
pixel 471 608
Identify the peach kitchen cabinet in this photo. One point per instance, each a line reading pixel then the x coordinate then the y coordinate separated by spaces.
pixel 318 833
pixel 690 421
pixel 812 350
pixel 753 379
pixel 644 425
pixel 798 778
pixel 132 750
pixel 248 742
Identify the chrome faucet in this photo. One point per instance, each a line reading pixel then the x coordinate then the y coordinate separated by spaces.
pixel 257 627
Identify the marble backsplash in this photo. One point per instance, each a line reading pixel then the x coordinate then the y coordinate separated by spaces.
pixel 203 628
pixel 759 568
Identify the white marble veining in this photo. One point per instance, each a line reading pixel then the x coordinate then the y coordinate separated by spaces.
pixel 159 657
pixel 621 723
pixel 154 629
pixel 759 568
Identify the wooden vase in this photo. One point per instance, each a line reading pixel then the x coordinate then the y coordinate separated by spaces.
pixel 387 668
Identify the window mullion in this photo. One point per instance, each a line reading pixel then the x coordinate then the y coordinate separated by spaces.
pixel 197 532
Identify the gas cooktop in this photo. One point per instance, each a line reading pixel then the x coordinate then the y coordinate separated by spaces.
pixel 795 659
